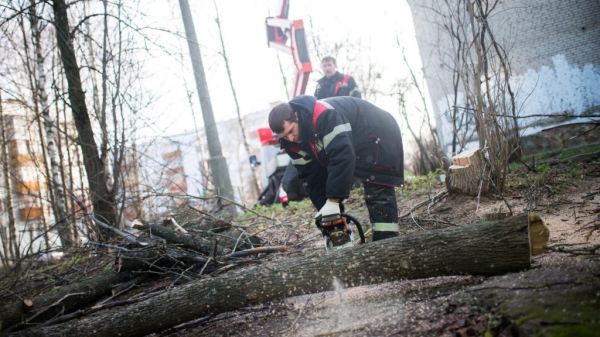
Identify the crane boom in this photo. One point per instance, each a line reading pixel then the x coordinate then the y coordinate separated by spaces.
pixel 280 31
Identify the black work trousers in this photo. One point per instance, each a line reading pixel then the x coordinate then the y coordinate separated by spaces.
pixel 383 210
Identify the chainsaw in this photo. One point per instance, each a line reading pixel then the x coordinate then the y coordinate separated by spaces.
pixel 338 230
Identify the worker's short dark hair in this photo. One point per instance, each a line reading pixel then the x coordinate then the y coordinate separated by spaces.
pixel 329 58
pixel 279 114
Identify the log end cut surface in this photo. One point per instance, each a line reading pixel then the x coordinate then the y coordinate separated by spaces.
pixel 539 235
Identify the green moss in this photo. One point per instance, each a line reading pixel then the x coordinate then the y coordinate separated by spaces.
pixel 561 312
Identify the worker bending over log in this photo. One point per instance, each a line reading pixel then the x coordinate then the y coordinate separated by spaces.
pixel 333 140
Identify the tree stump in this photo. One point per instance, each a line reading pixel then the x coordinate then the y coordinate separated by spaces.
pixel 465 175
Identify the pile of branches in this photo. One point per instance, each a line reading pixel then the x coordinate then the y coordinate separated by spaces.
pixel 143 262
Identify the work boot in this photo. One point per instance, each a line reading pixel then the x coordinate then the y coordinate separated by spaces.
pixel 382 235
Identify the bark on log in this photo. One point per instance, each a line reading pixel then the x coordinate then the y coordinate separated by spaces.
pixel 486 248
pixel 495 216
pixel 165 256
pixel 215 225
pixel 198 244
pixel 94 288
pixel 466 173
pixel 200 241
pixel 229 239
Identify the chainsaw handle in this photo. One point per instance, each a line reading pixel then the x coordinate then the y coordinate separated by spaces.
pixel 347 217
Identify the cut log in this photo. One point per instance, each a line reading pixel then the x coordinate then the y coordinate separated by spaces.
pixel 157 256
pixel 214 225
pixel 201 241
pixel 94 288
pixel 465 175
pixel 487 248
pixel 200 245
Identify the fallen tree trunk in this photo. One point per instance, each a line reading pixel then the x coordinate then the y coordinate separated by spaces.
pixel 155 256
pixel 198 244
pixel 214 225
pixel 201 241
pixel 487 248
pixel 88 290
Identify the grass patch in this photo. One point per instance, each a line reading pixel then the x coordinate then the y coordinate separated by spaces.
pixel 304 211
pixel 563 153
pixel 419 185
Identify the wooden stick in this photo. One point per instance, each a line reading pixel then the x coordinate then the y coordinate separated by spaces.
pixel 235 203
pixel 255 251
pixel 434 200
pixel 115 295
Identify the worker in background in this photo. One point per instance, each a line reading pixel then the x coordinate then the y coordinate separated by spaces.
pixel 333 140
pixel 335 83
pixel 332 84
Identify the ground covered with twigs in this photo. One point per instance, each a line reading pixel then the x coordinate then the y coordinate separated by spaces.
pixel 559 295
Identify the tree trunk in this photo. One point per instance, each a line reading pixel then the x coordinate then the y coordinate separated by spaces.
pixel 12 230
pixel 58 193
pixel 64 150
pixel 487 248
pixel 94 288
pixel 214 225
pixel 218 163
pixel 467 174
pixel 103 205
pixel 199 244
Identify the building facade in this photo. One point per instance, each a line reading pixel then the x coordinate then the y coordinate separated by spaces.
pixel 553 47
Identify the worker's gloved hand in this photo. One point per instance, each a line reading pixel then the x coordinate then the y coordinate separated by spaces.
pixel 330 209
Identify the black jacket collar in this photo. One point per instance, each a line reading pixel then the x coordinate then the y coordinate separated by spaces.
pixel 304 105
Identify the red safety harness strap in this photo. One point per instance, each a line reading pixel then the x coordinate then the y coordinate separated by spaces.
pixel 344 80
pixel 317 111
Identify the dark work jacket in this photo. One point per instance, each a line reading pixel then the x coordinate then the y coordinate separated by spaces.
pixel 326 87
pixel 352 138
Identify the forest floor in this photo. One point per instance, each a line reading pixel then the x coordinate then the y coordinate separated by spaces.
pixel 558 296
